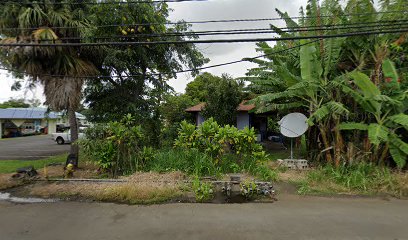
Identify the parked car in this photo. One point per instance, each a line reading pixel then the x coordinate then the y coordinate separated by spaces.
pixel 65 137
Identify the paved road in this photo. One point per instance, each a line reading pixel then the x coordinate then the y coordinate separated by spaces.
pixel 30 148
pixel 291 218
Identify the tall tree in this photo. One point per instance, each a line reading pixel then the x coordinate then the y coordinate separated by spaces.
pixel 142 70
pixel 55 68
pixel 222 101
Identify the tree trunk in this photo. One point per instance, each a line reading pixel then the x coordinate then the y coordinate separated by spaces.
pixel 338 144
pixel 326 143
pixel 74 135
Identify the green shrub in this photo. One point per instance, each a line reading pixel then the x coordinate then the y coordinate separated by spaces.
pixel 203 190
pixel 218 141
pixel 116 146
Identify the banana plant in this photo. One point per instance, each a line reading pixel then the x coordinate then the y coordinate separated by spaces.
pixel 385 111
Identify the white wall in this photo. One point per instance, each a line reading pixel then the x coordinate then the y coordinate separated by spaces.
pixel 52 126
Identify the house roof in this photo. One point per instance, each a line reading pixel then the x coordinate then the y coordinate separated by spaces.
pixel 242 107
pixel 196 108
pixel 26 113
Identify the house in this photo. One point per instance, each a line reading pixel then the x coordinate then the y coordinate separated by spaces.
pixel 15 122
pixel 63 119
pixel 246 117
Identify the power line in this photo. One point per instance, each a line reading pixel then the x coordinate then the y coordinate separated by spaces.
pixel 242 40
pixel 213 21
pixel 176 72
pixel 106 3
pixel 236 32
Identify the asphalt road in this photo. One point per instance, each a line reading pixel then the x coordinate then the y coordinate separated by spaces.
pixel 291 218
pixel 30 148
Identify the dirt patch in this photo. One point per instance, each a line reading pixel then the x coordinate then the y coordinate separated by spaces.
pixel 142 188
pixel 293 175
pixel 7 182
pixel 156 178
pixel 86 170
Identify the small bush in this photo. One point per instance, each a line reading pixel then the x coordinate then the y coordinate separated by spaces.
pixel 115 146
pixel 203 191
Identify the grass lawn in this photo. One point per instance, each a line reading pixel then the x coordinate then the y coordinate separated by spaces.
pixel 10 166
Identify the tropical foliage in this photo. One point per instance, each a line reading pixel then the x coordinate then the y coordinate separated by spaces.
pixel 327 80
pixel 217 141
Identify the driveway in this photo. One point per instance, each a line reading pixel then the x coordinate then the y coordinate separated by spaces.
pixel 30 148
pixel 295 218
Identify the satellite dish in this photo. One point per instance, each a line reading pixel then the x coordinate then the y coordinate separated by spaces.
pixel 293 125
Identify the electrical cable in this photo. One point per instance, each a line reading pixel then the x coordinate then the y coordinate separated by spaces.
pixel 241 40
pixel 231 32
pixel 218 21
pixel 106 3
pixel 176 72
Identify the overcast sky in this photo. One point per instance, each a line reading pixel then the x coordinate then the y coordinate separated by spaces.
pixel 217 53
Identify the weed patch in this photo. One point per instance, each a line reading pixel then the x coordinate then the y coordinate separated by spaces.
pixel 362 178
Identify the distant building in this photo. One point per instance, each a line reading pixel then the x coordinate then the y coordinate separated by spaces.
pixel 15 122
pixel 64 121
pixel 246 117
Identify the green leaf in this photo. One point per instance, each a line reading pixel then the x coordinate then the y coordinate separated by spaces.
pixel 337 108
pixel 390 73
pixel 397 142
pixel 377 133
pixel 367 87
pixel 318 115
pixel 401 119
pixel 353 126
pixel 399 157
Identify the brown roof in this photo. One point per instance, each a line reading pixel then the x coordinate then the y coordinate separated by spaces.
pixel 196 108
pixel 242 107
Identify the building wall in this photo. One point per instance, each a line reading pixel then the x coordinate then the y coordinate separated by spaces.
pixel 242 120
pixel 52 126
pixel 199 118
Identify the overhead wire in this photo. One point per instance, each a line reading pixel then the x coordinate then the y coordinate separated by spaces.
pixel 402 23
pixel 175 72
pixel 213 21
pixel 200 41
pixel 106 3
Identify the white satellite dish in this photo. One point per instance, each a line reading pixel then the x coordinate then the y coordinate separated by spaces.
pixel 293 125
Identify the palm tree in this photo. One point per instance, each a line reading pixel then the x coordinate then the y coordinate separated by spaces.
pixel 56 68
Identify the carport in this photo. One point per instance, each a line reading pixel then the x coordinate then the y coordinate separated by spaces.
pixel 16 122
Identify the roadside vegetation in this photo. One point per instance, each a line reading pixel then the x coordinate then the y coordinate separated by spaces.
pixel 119 148
pixel 353 89
pixel 360 179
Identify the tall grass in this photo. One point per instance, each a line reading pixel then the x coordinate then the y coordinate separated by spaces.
pixel 364 178
pixel 190 161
